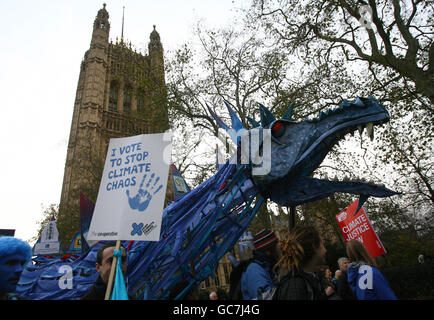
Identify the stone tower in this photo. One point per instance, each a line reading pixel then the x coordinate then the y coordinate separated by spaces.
pixel 120 93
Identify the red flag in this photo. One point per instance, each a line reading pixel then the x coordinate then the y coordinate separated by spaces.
pixel 359 227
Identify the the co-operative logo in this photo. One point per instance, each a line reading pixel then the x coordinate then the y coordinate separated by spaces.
pixel 140 229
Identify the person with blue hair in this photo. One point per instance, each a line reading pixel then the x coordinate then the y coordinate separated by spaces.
pixel 14 256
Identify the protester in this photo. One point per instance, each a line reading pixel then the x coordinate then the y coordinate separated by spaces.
pixel 343 288
pixel 213 296
pixel 14 256
pixel 365 279
pixel 303 253
pixel 191 294
pixel 258 276
pixel 104 260
pixel 326 278
pixel 328 273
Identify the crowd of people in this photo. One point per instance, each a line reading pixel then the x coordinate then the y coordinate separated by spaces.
pixel 298 271
pixel 294 269
pixel 288 269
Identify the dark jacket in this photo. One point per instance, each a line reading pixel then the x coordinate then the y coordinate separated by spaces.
pixel 343 288
pixel 300 286
pixel 97 291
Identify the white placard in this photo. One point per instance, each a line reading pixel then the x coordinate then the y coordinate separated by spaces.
pixel 46 248
pixel 49 243
pixel 133 188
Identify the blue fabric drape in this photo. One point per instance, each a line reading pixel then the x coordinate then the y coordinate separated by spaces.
pixel 119 290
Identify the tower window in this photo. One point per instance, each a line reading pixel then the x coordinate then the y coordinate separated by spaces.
pixel 113 98
pixel 140 105
pixel 140 102
pixel 127 100
pixel 113 106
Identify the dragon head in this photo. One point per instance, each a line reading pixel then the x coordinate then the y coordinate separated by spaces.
pixel 298 148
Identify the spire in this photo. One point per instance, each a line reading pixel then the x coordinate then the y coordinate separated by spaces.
pixel 101 27
pixel 155 51
pixel 155 42
pixel 122 34
pixel 155 36
pixel 101 20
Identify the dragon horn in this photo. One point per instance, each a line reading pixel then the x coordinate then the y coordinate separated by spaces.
pixel 253 122
pixel 217 119
pixel 362 201
pixel 223 125
pixel 266 116
pixel 288 112
pixel 236 122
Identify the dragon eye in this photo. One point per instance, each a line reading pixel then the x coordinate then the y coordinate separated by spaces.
pixel 278 129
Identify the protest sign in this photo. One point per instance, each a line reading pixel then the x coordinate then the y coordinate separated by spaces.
pixel 132 190
pixel 49 241
pixel 359 227
pixel 179 185
pixel 245 245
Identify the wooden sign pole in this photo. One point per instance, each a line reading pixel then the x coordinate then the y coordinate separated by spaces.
pixel 112 273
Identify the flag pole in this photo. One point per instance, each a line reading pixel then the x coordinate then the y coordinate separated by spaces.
pixel 112 272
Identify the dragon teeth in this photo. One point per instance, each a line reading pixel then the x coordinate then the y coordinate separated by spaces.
pixel 370 130
pixel 360 128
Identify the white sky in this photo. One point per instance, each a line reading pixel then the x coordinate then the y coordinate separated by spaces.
pixel 42 45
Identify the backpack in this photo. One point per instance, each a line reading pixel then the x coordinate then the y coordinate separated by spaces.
pixel 287 278
pixel 235 292
pixel 235 280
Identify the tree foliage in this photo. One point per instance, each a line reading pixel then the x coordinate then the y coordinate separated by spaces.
pixel 392 36
pixel 234 66
pixel 316 54
pixel 49 212
pixel 379 48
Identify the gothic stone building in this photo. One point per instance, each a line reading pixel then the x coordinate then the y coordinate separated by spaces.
pixel 120 93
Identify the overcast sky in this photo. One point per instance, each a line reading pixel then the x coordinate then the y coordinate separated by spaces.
pixel 42 46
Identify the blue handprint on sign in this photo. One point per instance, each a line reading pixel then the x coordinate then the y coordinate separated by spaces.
pixel 144 196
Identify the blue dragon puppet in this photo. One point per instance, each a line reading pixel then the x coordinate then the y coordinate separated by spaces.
pixel 199 228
